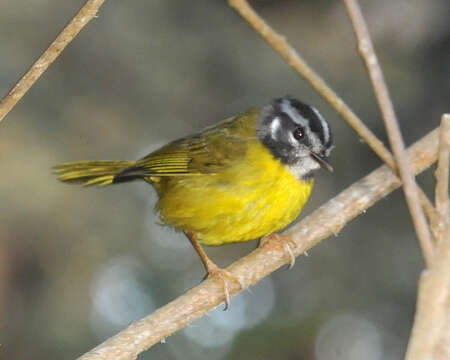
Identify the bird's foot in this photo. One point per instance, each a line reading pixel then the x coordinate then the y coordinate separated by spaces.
pixel 285 241
pixel 221 275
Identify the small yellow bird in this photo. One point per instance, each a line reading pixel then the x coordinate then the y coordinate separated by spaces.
pixel 244 178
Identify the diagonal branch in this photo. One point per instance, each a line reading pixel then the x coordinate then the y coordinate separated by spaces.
pixel 79 21
pixel 328 219
pixel 395 138
pixel 288 53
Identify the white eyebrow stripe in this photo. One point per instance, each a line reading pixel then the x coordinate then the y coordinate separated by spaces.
pixel 274 127
pixel 325 127
pixel 287 108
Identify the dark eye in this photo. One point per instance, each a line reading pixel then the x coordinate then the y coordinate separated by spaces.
pixel 298 133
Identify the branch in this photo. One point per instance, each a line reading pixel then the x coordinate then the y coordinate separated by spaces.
pixel 288 53
pixel 430 211
pixel 79 21
pixel 395 138
pixel 328 219
pixel 430 337
pixel 442 202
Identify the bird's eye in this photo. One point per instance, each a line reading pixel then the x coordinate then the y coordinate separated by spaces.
pixel 298 133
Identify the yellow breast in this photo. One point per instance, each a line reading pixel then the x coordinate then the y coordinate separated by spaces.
pixel 256 196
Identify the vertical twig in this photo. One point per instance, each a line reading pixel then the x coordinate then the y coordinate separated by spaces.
pixel 430 336
pixel 86 13
pixel 441 196
pixel 395 138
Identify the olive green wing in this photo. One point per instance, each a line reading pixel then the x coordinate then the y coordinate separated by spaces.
pixel 206 153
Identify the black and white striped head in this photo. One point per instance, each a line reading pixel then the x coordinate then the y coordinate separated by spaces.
pixel 296 134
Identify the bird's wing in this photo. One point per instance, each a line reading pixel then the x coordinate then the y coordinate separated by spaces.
pixel 206 153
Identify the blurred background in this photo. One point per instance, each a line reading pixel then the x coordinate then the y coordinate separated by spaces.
pixel 77 265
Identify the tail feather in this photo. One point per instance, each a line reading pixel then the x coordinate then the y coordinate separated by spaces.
pixel 88 173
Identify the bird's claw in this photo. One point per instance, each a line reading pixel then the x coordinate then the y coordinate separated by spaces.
pixel 287 243
pixel 221 274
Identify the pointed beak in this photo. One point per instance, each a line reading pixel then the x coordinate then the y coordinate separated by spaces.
pixel 323 161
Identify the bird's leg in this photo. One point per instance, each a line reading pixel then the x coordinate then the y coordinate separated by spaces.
pixel 212 269
pixel 285 241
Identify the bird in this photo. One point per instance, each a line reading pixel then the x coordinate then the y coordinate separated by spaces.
pixel 245 178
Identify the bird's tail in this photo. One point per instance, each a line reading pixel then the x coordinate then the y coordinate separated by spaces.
pixel 87 173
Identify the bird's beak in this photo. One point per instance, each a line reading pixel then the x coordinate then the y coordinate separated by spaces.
pixel 323 161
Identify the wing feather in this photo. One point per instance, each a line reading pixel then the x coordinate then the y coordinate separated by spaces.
pixel 206 153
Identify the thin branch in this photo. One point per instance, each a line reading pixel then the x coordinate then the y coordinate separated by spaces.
pixel 428 207
pixel 87 12
pixel 430 336
pixel 442 202
pixel 328 219
pixel 288 53
pixel 395 138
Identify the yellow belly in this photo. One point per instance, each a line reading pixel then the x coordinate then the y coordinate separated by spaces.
pixel 254 197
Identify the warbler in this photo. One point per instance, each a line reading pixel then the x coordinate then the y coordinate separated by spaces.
pixel 242 179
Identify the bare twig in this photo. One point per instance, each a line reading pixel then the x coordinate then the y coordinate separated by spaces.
pixel 87 12
pixel 428 207
pixel 395 138
pixel 430 337
pixel 328 219
pixel 287 52
pixel 442 202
